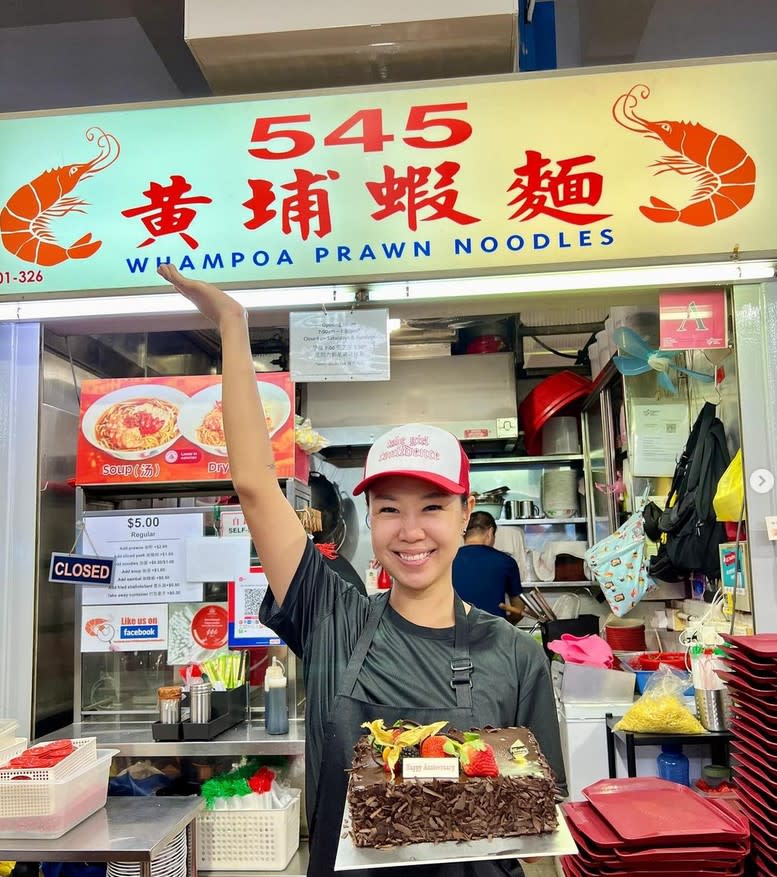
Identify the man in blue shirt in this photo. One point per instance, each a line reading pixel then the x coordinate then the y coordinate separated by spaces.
pixel 484 576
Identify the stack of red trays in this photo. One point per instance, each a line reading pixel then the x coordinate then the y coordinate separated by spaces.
pixel 649 827
pixel 752 684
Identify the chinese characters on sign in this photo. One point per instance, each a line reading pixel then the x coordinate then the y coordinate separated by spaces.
pixel 150 557
pixel 422 193
pixel 168 211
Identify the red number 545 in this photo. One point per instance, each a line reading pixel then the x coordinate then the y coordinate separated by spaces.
pixel 365 128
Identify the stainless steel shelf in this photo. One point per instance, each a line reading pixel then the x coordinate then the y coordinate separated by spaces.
pixel 581 584
pixel 517 461
pixel 528 522
pixel 134 739
pixel 297 867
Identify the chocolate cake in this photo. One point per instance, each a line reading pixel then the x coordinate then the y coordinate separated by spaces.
pixel 514 793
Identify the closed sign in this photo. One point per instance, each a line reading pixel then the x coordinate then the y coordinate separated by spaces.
pixel 71 569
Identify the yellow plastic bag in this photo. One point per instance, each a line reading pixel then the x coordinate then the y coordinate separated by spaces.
pixel 730 494
pixel 660 710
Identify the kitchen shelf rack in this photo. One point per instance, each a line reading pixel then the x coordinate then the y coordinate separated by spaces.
pixel 529 522
pixel 133 739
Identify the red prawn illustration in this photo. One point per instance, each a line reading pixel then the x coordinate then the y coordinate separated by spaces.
pixel 25 218
pixel 725 173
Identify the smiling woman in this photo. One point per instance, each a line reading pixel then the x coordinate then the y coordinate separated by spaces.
pixel 415 653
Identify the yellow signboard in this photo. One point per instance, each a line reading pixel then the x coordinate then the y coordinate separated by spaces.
pixel 508 174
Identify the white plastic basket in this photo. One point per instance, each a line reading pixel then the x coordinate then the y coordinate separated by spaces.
pixel 35 809
pixel 248 840
pixel 7 729
pixel 10 747
pixel 85 754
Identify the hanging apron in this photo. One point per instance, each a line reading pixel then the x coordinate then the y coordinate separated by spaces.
pixel 343 729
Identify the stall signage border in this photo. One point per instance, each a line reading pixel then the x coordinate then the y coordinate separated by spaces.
pixel 472 176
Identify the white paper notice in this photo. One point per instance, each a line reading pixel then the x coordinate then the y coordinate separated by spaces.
pixel 136 628
pixel 211 559
pixel 658 433
pixel 150 552
pixel 339 346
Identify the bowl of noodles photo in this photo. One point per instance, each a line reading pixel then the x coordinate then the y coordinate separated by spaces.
pixel 134 422
pixel 202 422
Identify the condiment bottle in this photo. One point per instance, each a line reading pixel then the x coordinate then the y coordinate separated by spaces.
pixel 169 704
pixel 276 709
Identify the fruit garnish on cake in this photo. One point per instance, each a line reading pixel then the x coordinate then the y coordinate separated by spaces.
pixel 499 785
pixel 391 746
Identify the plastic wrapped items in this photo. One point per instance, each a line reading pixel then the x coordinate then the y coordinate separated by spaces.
pixel 660 710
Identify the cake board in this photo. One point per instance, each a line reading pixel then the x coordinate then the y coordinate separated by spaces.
pixel 556 843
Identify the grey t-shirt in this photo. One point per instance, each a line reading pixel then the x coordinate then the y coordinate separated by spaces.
pixel 407 665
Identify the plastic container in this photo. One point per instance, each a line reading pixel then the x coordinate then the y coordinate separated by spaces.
pixel 40 809
pixel 10 747
pixel 673 765
pixel 248 840
pixel 560 436
pixel 549 397
pixel 7 729
pixel 583 684
pixel 652 660
pixel 84 755
pixel 276 709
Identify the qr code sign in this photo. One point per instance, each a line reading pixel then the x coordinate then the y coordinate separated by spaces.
pixel 252 600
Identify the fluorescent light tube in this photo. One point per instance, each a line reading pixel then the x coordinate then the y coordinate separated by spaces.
pixel 420 290
pixel 168 303
pixel 575 281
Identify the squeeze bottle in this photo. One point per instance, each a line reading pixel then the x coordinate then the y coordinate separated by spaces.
pixel 276 709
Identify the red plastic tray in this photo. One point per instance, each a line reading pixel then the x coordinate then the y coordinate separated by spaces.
pixel 746 755
pixel 734 680
pixel 647 808
pixel 757 712
pixel 763 645
pixel 754 735
pixel 754 676
pixel 595 837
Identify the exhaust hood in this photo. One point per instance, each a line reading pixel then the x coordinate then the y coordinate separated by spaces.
pixel 474 397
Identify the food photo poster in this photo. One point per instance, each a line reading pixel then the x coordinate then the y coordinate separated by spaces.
pixel 170 429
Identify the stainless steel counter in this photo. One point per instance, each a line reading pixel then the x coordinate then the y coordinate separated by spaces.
pixel 134 739
pixel 125 830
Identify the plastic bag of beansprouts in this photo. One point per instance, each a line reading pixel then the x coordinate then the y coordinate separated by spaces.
pixel 661 709
pixel 306 437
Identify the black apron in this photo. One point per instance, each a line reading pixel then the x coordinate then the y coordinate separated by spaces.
pixel 343 729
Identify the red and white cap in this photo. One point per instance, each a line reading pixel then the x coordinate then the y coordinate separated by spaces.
pixel 417 450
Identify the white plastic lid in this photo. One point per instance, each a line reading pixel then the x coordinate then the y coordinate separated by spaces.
pixel 274 677
pixel 8 729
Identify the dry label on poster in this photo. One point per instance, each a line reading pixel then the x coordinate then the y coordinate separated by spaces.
pixel 150 552
pixel 339 346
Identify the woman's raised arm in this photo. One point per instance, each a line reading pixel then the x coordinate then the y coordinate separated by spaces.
pixel 275 529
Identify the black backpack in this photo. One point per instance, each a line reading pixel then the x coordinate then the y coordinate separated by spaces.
pixel 687 529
